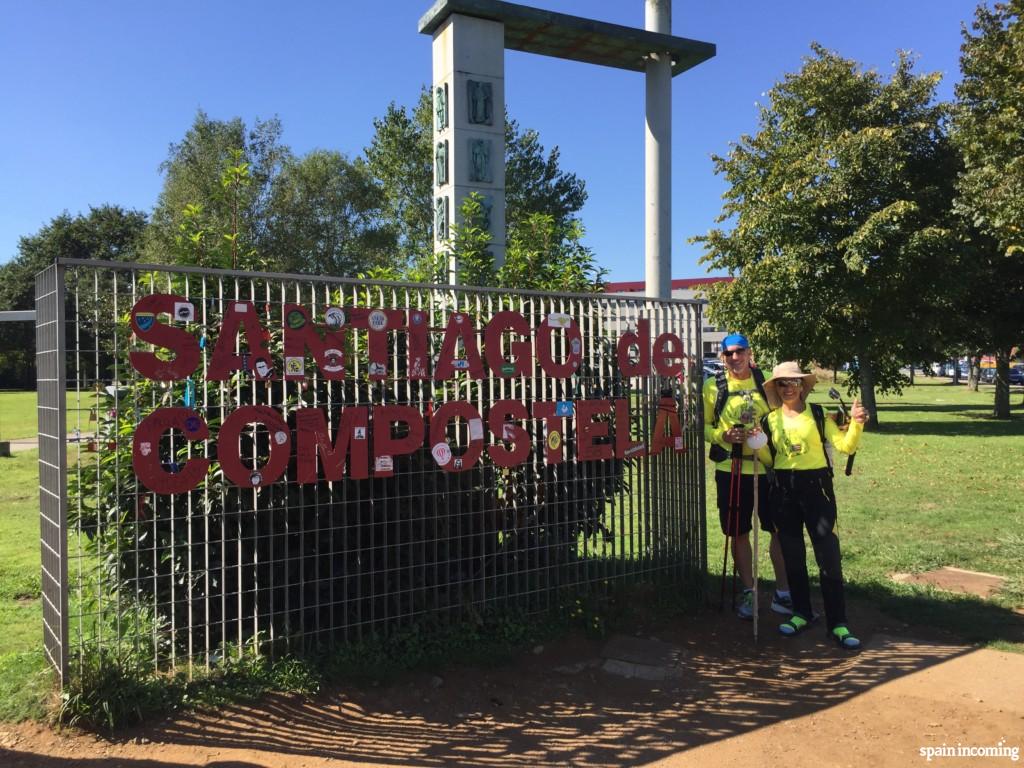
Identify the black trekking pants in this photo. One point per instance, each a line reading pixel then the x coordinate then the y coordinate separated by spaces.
pixel 806 500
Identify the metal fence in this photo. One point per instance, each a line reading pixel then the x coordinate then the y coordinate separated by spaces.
pixel 282 544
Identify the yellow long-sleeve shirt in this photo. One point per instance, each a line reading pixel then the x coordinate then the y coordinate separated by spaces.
pixel 798 444
pixel 744 406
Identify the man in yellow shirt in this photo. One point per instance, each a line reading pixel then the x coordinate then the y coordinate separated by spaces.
pixel 805 497
pixel 733 406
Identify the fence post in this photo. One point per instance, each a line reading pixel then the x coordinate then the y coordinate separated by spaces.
pixel 51 381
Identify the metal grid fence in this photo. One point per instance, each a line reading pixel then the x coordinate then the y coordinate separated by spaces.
pixel 182 579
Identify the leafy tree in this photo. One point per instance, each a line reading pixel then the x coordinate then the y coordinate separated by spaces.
pixel 541 253
pixel 108 232
pixel 841 240
pixel 325 217
pixel 400 158
pixel 990 191
pixel 217 183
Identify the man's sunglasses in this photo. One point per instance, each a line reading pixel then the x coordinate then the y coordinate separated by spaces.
pixel 734 352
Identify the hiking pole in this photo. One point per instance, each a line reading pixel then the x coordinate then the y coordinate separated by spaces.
pixel 756 441
pixel 737 454
pixel 733 478
pixel 834 394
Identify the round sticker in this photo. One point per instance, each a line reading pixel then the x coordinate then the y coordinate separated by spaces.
pixel 262 369
pixel 508 369
pixel 255 478
pixel 417 318
pixel 192 424
pixel 378 320
pixel 280 437
pixel 334 317
pixel 459 318
pixel 576 346
pixel 296 319
pixel 554 441
pixel 442 454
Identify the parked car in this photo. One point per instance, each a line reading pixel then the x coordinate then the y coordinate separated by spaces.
pixel 1017 374
pixel 988 375
pixel 712 367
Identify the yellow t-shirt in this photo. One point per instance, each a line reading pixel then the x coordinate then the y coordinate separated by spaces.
pixel 743 406
pixel 798 445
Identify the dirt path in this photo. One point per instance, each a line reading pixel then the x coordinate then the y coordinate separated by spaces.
pixel 787 702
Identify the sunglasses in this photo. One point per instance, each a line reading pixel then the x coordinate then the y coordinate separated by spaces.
pixel 734 352
pixel 789 382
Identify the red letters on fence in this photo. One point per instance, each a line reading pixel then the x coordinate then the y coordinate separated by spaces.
pixel 601 430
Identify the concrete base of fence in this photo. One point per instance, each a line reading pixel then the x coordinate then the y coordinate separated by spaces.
pixel 5 448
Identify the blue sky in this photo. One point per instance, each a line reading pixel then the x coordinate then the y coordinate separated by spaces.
pixel 94 92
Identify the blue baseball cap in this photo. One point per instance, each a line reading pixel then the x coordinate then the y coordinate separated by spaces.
pixel 735 340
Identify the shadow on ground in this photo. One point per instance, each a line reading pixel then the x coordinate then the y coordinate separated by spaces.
pixel 558 706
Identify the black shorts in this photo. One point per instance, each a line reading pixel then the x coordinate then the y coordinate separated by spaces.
pixel 765 503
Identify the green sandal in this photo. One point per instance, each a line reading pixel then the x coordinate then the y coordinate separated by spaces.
pixel 794 625
pixel 844 639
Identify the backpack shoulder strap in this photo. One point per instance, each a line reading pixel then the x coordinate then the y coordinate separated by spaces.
pixel 766 428
pixel 759 382
pixel 723 394
pixel 819 419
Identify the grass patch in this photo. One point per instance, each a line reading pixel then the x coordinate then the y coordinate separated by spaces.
pixel 18 417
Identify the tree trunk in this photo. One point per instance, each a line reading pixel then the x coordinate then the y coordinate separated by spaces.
pixel 956 371
pixel 867 391
pixel 975 375
pixel 1002 402
pixel 911 374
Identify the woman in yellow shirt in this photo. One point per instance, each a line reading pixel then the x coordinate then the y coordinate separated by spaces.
pixel 805 498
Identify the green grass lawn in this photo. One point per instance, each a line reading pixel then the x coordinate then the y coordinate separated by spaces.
pixel 18 418
pixel 940 484
pixel 25 681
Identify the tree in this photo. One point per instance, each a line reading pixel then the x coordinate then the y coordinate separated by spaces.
pixel 324 216
pixel 990 190
pixel 841 241
pixel 542 254
pixel 108 232
pixel 400 157
pixel 217 183
pixel 241 199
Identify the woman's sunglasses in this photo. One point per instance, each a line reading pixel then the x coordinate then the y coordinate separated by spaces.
pixel 789 382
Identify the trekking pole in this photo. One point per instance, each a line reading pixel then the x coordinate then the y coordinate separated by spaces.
pixel 834 394
pixel 756 441
pixel 737 457
pixel 733 483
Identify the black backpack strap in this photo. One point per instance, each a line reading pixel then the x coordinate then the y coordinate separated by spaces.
pixel 759 382
pixel 768 433
pixel 723 394
pixel 819 419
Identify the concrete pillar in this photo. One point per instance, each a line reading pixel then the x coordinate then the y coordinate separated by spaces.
pixel 469 125
pixel 658 157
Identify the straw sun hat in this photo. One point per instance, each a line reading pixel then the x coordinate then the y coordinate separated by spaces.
pixel 787 370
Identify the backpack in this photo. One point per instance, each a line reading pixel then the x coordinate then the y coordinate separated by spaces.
pixel 717 453
pixel 819 420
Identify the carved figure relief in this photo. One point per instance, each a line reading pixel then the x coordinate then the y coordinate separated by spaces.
pixel 480 160
pixel 441 106
pixel 441 163
pixel 486 206
pixel 441 218
pixel 480 102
